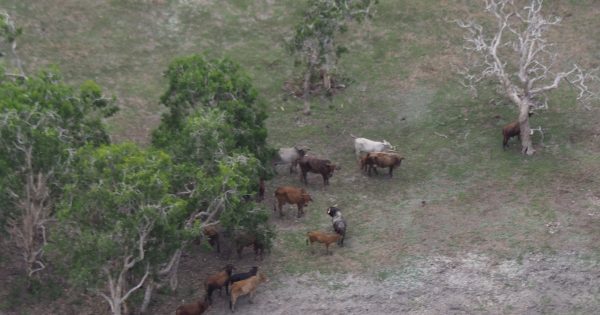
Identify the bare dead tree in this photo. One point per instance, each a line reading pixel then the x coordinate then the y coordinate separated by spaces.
pixel 516 53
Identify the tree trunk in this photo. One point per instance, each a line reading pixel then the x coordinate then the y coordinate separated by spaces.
pixel 526 144
pixel 326 80
pixel 306 90
pixel 147 297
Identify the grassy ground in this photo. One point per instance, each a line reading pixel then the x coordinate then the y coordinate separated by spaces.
pixel 456 193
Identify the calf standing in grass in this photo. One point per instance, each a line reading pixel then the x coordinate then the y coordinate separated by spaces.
pixel 322 237
pixel 193 308
pixel 218 281
pixel 245 287
pixel 339 224
pixel 382 159
pixel 291 195
pixel 319 166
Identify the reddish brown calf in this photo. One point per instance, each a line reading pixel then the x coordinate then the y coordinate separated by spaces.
pixel 291 195
pixel 192 309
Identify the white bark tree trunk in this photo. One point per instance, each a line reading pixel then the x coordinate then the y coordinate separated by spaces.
pixel 306 90
pixel 28 229
pixel 525 130
pixel 147 297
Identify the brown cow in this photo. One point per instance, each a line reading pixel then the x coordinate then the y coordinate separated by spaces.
pixel 291 195
pixel 192 309
pixel 511 130
pixel 243 238
pixel 212 233
pixel 245 287
pixel 218 281
pixel 322 237
pixel 382 159
pixel 315 165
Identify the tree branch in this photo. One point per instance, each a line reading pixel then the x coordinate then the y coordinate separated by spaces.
pixel 138 285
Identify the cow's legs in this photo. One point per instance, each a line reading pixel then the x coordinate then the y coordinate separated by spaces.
pixel 281 203
pixel 303 177
pixel 325 180
pixel 300 211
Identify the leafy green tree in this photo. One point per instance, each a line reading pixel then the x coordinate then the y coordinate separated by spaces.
pixel 229 174
pixel 215 131
pixel 42 122
pixel 197 83
pixel 214 115
pixel 205 138
pixel 315 42
pixel 120 224
pixel 237 174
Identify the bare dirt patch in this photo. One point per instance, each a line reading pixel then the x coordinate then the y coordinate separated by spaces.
pixel 466 284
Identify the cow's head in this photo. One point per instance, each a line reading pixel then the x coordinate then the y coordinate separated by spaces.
pixel 387 145
pixel 331 168
pixel 301 150
pixel 229 268
pixel 306 197
pixel 332 211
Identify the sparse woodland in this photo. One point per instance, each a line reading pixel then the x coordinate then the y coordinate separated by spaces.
pixel 134 135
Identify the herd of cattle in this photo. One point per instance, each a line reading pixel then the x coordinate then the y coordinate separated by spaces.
pixel 371 155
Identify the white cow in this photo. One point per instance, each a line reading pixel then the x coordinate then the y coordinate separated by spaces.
pixel 291 156
pixel 366 145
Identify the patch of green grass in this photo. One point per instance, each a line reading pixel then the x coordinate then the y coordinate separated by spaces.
pixel 295 241
pixel 384 275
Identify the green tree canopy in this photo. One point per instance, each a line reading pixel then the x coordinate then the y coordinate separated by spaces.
pixel 200 85
pixel 119 220
pixel 215 131
pixel 42 122
pixel 315 41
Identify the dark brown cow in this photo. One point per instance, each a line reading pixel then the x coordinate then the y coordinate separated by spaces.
pixel 291 195
pixel 382 159
pixel 511 130
pixel 212 234
pixel 244 239
pixel 218 281
pixel 315 165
